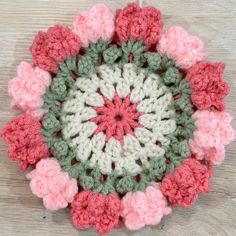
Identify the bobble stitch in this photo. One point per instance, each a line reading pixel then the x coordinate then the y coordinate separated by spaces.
pixel 153 60
pixel 59 148
pixel 178 45
pixel 47 181
pixel 111 54
pixel 51 123
pixel 97 210
pixel 97 23
pixel 126 184
pixel 157 168
pixel 172 75
pixel 28 88
pixel 208 86
pixel 213 133
pixel 54 46
pixel 26 144
pixel 86 66
pixel 86 182
pixel 58 87
pixel 136 23
pixel 144 208
pixel 188 180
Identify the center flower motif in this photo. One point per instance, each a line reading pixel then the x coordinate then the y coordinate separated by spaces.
pixel 117 118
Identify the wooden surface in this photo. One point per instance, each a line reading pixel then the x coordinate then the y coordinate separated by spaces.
pixel 21 213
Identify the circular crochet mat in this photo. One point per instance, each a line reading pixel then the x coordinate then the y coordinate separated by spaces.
pixel 120 122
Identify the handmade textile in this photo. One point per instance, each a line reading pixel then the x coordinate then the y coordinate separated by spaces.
pixel 119 120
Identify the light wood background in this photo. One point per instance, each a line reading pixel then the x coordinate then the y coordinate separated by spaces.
pixel 23 214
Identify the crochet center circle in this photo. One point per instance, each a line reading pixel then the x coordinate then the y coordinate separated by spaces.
pixel 127 144
pixel 118 125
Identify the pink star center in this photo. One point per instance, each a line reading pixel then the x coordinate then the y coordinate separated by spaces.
pixel 117 118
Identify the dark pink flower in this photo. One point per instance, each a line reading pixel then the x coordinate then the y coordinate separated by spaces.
pixel 136 23
pixel 208 86
pixel 54 46
pixel 97 210
pixel 26 144
pixel 188 180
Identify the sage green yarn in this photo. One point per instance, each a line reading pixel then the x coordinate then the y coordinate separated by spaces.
pixel 111 54
pixel 153 60
pixel 59 148
pixel 157 168
pixel 51 123
pixel 86 182
pixel 134 50
pixel 166 63
pixel 84 65
pixel 126 184
pixel 172 76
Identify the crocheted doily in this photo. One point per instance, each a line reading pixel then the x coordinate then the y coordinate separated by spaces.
pixel 120 122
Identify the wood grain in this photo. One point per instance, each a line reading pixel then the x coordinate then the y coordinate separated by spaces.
pixel 21 213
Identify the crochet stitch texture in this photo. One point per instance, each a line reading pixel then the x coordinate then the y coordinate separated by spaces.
pixel 120 121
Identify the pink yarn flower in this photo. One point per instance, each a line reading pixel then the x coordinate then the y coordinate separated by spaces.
pixel 54 186
pixel 136 23
pixel 97 23
pixel 213 133
pixel 178 45
pixel 54 46
pixel 207 85
pixel 117 118
pixel 26 144
pixel 188 180
pixel 144 208
pixel 97 210
pixel 27 89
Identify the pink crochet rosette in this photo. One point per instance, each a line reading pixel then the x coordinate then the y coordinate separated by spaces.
pixel 98 199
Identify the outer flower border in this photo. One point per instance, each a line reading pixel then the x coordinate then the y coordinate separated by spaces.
pixel 131 50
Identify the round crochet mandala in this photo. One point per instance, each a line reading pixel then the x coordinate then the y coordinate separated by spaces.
pixel 119 121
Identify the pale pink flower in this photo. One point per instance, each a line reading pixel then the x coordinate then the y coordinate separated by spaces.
pixel 97 23
pixel 144 208
pixel 213 133
pixel 27 89
pixel 49 182
pixel 178 45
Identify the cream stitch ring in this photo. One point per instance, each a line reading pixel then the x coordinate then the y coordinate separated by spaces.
pixel 120 121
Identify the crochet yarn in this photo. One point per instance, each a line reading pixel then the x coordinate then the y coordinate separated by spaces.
pixel 120 122
pixel 97 210
pixel 26 143
pixel 28 88
pixel 47 181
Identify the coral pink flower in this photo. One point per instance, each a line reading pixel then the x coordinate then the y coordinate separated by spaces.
pixel 188 180
pixel 144 208
pixel 28 88
pixel 54 46
pixel 213 133
pixel 208 86
pixel 136 23
pixel 178 45
pixel 54 186
pixel 26 144
pixel 97 23
pixel 97 210
pixel 117 118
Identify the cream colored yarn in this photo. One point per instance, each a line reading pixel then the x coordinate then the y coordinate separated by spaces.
pixel 157 120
